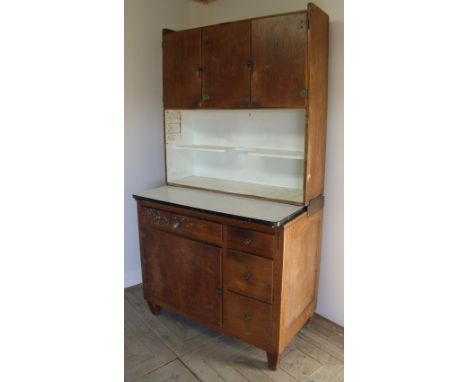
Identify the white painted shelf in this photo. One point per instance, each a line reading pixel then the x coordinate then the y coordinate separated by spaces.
pixel 292 195
pixel 260 152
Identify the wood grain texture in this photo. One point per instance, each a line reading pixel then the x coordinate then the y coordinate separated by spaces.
pixel 317 43
pixel 248 320
pixel 301 256
pixel 211 358
pixel 225 56
pixel 183 274
pixel 251 241
pixel 248 275
pixel 191 227
pixel 279 52
pixel 181 69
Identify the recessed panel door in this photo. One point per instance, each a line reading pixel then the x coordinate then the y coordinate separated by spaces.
pixel 279 52
pixel 226 65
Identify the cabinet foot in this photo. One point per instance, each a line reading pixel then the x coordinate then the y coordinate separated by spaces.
pixel 155 309
pixel 273 359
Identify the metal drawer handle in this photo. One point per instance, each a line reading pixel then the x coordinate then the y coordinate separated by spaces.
pixel 247 317
pixel 247 241
pixel 175 225
pixel 247 276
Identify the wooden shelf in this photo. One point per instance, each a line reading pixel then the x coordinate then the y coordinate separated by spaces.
pixel 260 152
pixel 284 194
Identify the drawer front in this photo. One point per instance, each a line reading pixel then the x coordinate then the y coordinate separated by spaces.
pixel 246 240
pixel 249 275
pixel 187 226
pixel 248 320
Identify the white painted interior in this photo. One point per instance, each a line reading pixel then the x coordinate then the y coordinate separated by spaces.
pixel 253 148
pixel 144 154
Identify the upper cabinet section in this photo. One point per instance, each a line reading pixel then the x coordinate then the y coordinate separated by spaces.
pixel 182 69
pixel 279 54
pixel 258 63
pixel 226 65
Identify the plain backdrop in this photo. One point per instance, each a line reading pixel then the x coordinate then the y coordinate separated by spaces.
pixel 144 146
pixel 62 216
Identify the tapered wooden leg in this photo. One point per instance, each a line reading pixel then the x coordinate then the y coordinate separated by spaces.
pixel 273 359
pixel 155 309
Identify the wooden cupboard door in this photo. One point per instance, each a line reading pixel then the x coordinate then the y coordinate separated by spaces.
pixel 226 65
pixel 279 54
pixel 183 274
pixel 181 69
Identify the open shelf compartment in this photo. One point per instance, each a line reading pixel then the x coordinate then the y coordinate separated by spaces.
pixel 258 153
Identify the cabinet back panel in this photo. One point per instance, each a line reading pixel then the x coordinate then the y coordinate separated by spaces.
pixel 264 147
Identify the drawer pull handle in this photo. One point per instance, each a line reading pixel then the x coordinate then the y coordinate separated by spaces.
pixel 247 317
pixel 247 241
pixel 247 276
pixel 175 225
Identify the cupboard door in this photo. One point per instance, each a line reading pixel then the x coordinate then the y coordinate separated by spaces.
pixel 181 69
pixel 226 65
pixel 183 274
pixel 279 61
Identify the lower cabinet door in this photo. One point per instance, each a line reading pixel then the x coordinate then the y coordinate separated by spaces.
pixel 183 274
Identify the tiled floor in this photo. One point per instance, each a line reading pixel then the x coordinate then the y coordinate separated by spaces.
pixel 170 348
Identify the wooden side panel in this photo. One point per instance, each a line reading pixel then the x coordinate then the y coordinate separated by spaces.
pixel 279 46
pixel 226 74
pixel 181 69
pixel 301 261
pixel 317 105
pixel 182 273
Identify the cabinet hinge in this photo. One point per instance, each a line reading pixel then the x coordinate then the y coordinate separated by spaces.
pixel 162 44
pixel 204 38
pixel 305 24
pixel 205 97
pixel 304 93
pixel 219 291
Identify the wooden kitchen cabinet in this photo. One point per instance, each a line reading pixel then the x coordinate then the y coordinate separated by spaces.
pixel 226 65
pixel 233 239
pixel 261 297
pixel 279 55
pixel 182 68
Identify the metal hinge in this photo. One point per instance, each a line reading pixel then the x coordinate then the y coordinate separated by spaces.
pixel 219 291
pixel 305 24
pixel 304 93
pixel 249 64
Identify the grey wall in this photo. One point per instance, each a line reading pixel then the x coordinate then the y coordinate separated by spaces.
pixel 144 20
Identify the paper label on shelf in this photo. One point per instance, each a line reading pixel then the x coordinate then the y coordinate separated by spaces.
pixel 173 125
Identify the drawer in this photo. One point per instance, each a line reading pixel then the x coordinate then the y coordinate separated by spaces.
pixel 200 229
pixel 249 275
pixel 248 320
pixel 245 240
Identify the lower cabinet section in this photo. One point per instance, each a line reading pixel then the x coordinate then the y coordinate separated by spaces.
pixel 248 320
pixel 246 280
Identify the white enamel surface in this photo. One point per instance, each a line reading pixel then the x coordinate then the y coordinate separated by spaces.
pixel 226 148
pixel 223 203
